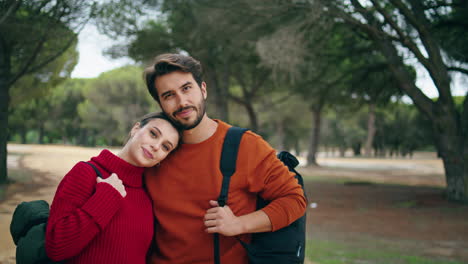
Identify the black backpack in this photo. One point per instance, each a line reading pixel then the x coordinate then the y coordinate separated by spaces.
pixel 283 246
pixel 28 228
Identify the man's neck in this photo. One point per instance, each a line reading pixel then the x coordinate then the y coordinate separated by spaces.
pixel 205 129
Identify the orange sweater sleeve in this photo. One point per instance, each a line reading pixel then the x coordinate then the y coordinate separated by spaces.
pixel 268 176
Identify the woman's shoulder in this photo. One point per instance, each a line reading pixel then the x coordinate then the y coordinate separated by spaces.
pixel 81 174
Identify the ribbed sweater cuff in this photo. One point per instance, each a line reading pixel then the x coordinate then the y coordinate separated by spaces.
pixel 103 205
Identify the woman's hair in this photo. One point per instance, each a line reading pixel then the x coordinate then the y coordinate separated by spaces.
pixel 158 115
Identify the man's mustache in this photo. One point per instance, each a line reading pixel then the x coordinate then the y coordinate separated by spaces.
pixel 183 109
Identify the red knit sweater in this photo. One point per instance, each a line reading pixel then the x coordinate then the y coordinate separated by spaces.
pixel 183 184
pixel 92 223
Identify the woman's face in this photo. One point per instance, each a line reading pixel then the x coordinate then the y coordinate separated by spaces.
pixel 150 144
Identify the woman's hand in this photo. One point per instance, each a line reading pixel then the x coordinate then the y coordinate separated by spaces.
pixel 115 182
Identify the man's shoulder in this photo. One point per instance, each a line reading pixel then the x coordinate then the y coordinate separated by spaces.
pixel 250 141
pixel 249 134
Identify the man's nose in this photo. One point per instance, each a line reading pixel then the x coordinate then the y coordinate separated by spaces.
pixel 182 100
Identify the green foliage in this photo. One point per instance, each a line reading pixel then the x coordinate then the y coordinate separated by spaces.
pixel 33 34
pixel 40 82
pixel 113 102
pixel 152 40
pixel 64 123
pixel 401 130
pixel 450 27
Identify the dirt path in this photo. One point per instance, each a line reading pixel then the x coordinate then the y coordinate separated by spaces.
pixel 48 165
pixel 415 216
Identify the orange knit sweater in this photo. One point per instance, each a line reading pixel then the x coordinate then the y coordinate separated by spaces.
pixel 184 183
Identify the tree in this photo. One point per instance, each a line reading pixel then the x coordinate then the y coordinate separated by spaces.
pixel 403 29
pixel 64 122
pixel 113 102
pixel 185 26
pixel 32 35
pixel 373 85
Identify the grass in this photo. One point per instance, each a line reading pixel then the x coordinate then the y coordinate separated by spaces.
pixel 330 252
pixel 406 204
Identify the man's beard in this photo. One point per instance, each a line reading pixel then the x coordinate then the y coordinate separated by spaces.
pixel 200 110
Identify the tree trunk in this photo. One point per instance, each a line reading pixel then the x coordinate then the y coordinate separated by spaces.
pixel 449 125
pixel 252 116
pixel 356 149
pixel 370 130
pixel 314 135
pixel 83 137
pixel 220 95
pixel 452 147
pixel 342 151
pixel 23 135
pixel 281 134
pixel 41 133
pixel 4 103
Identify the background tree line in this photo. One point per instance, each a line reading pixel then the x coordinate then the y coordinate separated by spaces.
pixel 100 111
pixel 304 73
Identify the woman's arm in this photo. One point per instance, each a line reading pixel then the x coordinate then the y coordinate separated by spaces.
pixel 80 210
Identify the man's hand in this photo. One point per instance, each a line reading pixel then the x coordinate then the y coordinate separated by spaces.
pixel 222 220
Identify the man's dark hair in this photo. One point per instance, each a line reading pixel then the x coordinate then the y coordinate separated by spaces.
pixel 167 63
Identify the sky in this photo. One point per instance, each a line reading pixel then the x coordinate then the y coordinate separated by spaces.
pixel 92 62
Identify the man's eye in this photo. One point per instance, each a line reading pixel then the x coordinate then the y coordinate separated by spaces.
pixel 186 88
pixel 167 96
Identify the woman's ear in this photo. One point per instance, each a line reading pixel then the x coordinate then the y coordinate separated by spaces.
pixel 135 129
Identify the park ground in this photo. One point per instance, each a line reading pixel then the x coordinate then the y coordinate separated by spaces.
pixel 359 210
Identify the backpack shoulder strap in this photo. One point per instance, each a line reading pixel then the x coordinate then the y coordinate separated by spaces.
pixel 95 169
pixel 229 159
pixel 228 167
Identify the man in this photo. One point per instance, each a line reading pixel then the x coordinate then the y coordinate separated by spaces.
pixel 185 187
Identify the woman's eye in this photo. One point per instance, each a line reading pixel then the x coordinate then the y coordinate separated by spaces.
pixel 153 134
pixel 166 148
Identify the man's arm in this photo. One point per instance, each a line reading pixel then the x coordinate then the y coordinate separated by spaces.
pixel 269 178
pixel 223 221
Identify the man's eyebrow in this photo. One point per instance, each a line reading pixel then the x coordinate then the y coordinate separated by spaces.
pixel 183 85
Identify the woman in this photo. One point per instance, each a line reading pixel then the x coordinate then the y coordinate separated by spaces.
pixel 109 219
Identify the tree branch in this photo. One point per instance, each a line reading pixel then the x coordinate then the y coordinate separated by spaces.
pixel 436 66
pixel 259 83
pixel 28 62
pixel 407 42
pixel 10 10
pixel 237 99
pixel 458 69
pixel 27 66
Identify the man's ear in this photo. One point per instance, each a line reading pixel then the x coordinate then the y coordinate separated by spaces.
pixel 203 89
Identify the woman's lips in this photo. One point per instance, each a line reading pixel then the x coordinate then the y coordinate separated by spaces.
pixel 147 153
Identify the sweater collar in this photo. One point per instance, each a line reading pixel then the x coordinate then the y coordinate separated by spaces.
pixel 219 133
pixel 129 174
